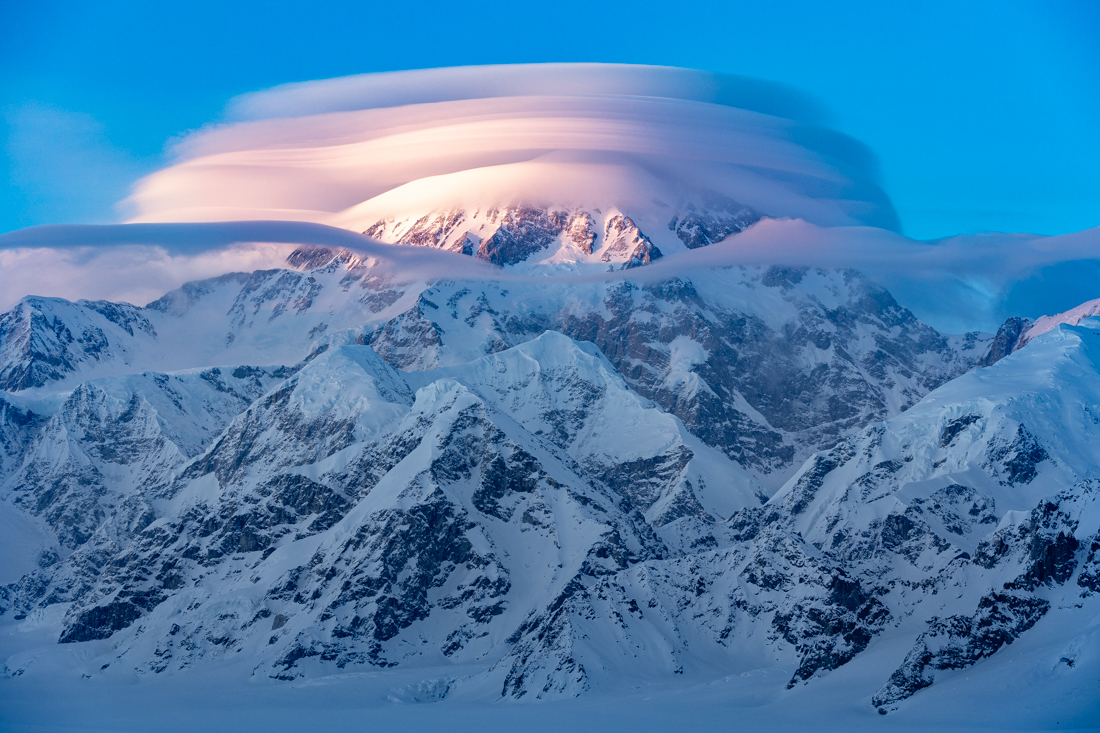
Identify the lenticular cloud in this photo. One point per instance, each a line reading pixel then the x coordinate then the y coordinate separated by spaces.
pixel 356 154
pixel 347 152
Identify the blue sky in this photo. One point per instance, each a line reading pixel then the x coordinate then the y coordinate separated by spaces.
pixel 984 115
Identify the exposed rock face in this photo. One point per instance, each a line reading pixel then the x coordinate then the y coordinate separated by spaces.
pixel 698 227
pixel 1044 549
pixel 581 231
pixel 623 239
pixel 18 426
pixel 959 641
pixel 114 436
pixel 918 505
pixel 763 364
pixel 502 235
pixel 520 234
pixel 751 365
pixel 432 230
pixel 511 235
pixel 444 488
pixel 45 339
pixel 1008 339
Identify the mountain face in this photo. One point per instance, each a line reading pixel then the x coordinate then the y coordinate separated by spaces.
pixel 763 364
pixel 534 487
pixel 986 487
pixel 115 435
pixel 43 339
pixel 1010 336
pixel 1015 332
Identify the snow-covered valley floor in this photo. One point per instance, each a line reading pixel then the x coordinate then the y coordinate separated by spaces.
pixel 1047 693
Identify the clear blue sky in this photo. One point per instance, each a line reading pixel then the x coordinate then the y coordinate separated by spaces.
pixel 984 115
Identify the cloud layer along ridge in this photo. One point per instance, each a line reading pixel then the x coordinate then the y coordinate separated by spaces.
pixel 316 162
pixel 957 284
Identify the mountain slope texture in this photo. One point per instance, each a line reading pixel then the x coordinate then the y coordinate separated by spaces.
pixel 532 488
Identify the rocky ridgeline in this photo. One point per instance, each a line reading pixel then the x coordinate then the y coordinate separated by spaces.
pixel 545 489
pixel 511 235
pixel 764 364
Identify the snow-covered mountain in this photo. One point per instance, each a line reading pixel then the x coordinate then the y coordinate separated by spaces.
pixel 540 238
pixel 1015 332
pixel 541 486
pixel 764 364
pixel 976 512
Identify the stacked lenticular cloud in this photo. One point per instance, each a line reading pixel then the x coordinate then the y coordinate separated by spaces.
pixel 647 141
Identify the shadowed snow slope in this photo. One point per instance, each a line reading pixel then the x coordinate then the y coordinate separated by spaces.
pixel 511 488
pixel 987 487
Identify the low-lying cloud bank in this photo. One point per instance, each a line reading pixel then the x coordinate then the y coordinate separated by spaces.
pixel 958 284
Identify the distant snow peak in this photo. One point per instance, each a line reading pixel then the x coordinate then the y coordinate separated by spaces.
pixel 699 226
pixel 1072 317
pixel 539 236
pixel 623 239
pixel 1015 333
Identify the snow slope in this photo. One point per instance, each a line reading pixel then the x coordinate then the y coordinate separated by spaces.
pixel 538 507
pixel 1072 316
pixel 985 490
pixel 763 364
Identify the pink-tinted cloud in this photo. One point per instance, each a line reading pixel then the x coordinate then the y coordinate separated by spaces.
pixel 346 151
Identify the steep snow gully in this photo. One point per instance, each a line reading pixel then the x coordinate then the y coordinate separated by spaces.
pixel 750 484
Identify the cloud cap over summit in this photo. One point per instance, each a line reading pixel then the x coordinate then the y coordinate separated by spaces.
pixel 421 86
pixel 584 134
